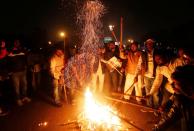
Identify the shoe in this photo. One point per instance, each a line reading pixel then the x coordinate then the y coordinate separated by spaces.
pixel 19 102
pixel 157 114
pixel 3 112
pixel 26 99
pixel 139 102
pixel 125 99
pixel 58 104
pixel 119 89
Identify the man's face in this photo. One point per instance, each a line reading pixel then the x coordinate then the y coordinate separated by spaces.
pixel 111 46
pixel 17 43
pixel 176 87
pixel 59 53
pixel 2 44
pixel 134 47
pixel 158 60
pixel 150 46
pixel 180 52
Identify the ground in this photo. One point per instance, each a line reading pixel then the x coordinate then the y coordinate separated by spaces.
pixel 33 115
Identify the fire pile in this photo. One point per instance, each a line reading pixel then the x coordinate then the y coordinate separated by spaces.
pixel 97 116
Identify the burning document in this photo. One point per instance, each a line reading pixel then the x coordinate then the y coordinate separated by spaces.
pixel 114 63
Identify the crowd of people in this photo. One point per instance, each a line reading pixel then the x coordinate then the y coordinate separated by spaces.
pixel 155 76
pixel 14 66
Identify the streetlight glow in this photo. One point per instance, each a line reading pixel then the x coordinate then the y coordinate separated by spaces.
pixel 49 42
pixel 62 34
pixel 130 40
pixel 111 27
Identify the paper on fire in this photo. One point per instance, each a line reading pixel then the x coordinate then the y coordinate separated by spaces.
pixel 113 63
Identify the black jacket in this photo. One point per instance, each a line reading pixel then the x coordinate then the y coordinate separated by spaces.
pixel 17 61
pixel 181 109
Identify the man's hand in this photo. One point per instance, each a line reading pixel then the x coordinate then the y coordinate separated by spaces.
pixel 122 70
pixel 160 110
pixel 148 96
pixel 135 79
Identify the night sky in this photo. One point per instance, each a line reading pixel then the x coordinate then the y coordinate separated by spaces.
pixel 140 16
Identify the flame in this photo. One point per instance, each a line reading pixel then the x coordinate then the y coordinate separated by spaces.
pixel 100 115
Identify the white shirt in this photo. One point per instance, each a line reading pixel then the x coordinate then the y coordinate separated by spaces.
pixel 56 66
pixel 149 72
pixel 164 71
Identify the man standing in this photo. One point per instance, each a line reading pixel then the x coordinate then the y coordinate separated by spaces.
pixel 132 60
pixel 166 66
pixel 111 75
pixel 57 62
pixel 98 71
pixel 147 67
pixel 3 75
pixel 18 64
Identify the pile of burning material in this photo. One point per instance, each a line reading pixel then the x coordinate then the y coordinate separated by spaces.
pixel 98 117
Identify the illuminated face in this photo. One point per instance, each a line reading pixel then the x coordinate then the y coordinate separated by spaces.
pixel 2 44
pixel 134 47
pixel 180 52
pixel 111 46
pixel 158 60
pixel 150 46
pixel 59 53
pixel 16 43
pixel 176 87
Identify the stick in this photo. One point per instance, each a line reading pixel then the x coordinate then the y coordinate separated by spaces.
pixel 120 94
pixel 125 92
pixel 113 33
pixel 126 120
pixel 128 103
pixel 64 87
pixel 128 89
pixel 121 33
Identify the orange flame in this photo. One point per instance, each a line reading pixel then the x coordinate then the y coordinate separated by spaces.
pixel 100 115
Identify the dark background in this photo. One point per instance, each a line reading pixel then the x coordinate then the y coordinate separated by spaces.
pixel 38 21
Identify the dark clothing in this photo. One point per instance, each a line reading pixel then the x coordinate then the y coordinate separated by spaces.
pixel 18 65
pixel 109 54
pixel 19 80
pixel 145 61
pixel 111 80
pixel 17 61
pixel 3 67
pixel 181 108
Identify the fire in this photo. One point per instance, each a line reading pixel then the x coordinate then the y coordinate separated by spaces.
pixel 98 115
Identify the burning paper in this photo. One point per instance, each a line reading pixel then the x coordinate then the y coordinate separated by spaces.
pixel 114 62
